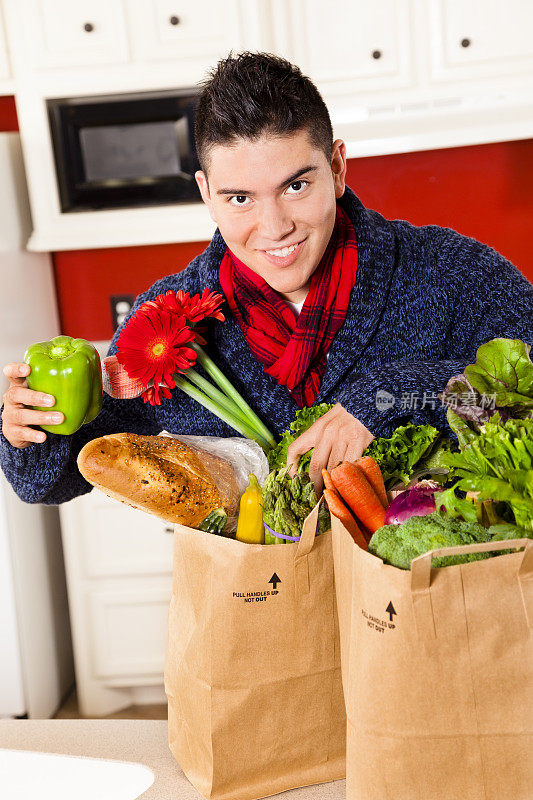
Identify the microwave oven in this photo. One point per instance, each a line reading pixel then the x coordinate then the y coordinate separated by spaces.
pixel 124 151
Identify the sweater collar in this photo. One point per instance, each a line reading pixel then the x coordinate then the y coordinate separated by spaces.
pixel 376 249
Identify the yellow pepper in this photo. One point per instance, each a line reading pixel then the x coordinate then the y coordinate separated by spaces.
pixel 250 526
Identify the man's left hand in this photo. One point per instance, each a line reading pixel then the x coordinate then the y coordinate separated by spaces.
pixel 337 436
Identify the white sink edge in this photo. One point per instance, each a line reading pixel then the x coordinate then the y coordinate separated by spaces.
pixel 54 776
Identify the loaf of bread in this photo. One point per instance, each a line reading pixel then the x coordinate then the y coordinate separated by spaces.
pixel 161 476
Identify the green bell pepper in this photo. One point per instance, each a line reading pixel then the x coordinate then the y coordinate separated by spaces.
pixel 69 369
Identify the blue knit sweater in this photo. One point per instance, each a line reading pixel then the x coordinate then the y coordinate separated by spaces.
pixel 425 299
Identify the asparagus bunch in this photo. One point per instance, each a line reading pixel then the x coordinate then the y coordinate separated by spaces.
pixel 286 503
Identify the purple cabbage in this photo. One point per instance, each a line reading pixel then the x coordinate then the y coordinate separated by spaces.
pixel 418 501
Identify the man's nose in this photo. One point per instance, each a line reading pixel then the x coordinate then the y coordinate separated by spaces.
pixel 274 223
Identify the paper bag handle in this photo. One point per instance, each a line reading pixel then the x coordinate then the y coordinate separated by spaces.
pixel 421 578
pixel 305 545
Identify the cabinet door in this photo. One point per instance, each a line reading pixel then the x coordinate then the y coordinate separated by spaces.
pixel 78 33
pixel 347 46
pixel 192 34
pixel 128 633
pixel 481 38
pixel 119 570
pixel 118 540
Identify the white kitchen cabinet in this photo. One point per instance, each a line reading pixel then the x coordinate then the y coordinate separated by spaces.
pixel 52 34
pixel 353 46
pixel 405 75
pixel 199 32
pixel 346 46
pixel 64 33
pixel 128 633
pixel 118 563
pixel 189 37
pixel 117 540
pixel 481 39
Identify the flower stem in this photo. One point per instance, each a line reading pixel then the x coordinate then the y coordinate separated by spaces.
pixel 216 395
pixel 212 370
pixel 226 416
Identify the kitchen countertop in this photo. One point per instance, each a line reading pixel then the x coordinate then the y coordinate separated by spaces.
pixel 139 741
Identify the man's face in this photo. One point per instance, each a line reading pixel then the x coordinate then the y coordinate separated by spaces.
pixel 274 201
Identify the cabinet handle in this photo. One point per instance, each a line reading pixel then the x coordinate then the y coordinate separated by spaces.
pixel 376 54
pixel 466 42
pixel 174 20
pixel 169 530
pixel 89 27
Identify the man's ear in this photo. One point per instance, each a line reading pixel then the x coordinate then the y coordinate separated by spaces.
pixel 338 167
pixel 201 180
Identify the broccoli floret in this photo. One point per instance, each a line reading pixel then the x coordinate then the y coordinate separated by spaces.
pixel 399 544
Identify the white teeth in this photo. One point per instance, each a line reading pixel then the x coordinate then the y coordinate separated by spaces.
pixel 282 252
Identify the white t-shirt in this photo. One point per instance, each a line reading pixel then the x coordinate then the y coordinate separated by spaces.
pixel 296 307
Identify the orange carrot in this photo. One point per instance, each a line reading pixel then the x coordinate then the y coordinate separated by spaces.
pixel 337 507
pixel 358 494
pixel 372 473
pixel 328 483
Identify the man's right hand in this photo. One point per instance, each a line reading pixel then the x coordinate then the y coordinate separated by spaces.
pixel 18 413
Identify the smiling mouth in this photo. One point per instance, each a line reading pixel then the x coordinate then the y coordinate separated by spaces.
pixel 283 252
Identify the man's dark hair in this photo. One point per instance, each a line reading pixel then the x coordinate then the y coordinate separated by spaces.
pixel 249 94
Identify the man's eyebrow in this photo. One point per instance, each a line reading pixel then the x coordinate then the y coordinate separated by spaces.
pixel 290 179
pixel 297 175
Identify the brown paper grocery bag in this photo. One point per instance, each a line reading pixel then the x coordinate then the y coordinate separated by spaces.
pixel 252 672
pixel 437 674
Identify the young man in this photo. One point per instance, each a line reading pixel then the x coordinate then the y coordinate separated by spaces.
pixel 326 300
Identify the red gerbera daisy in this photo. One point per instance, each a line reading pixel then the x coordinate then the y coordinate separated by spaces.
pixel 153 346
pixel 154 394
pixel 194 309
pixel 203 306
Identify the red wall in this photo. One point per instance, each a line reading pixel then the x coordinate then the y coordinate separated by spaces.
pixel 8 114
pixel 86 279
pixel 482 191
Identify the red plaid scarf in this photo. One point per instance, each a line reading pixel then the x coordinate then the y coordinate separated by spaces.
pixel 293 349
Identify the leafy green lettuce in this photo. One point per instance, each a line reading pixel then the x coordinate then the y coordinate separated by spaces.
pixel 497 465
pixel 305 417
pixel 500 382
pixel 411 451
pixel 504 367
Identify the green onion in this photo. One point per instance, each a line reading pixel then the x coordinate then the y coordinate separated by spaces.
pixel 214 372
pixel 229 417
pixel 215 394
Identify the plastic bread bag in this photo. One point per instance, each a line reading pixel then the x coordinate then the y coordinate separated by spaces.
pixel 244 455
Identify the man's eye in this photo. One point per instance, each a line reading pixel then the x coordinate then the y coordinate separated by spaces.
pixel 297 186
pixel 239 200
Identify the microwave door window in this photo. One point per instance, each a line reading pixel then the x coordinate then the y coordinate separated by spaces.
pixel 114 154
